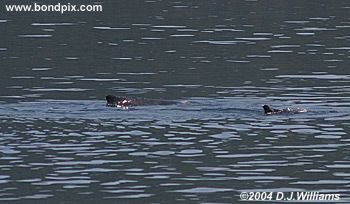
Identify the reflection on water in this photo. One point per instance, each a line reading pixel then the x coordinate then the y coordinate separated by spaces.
pixel 60 143
pixel 187 151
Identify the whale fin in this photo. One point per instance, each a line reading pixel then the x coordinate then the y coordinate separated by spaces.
pixel 268 109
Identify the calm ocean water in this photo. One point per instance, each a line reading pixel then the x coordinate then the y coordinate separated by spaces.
pixel 59 143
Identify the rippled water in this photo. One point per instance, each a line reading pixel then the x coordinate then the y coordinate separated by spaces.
pixel 59 143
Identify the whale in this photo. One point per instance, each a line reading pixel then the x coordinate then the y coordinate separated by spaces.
pixel 124 101
pixel 269 110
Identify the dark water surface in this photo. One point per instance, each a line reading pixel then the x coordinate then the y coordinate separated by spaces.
pixel 59 143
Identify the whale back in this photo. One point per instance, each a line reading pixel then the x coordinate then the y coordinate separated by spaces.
pixel 128 101
pixel 268 109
